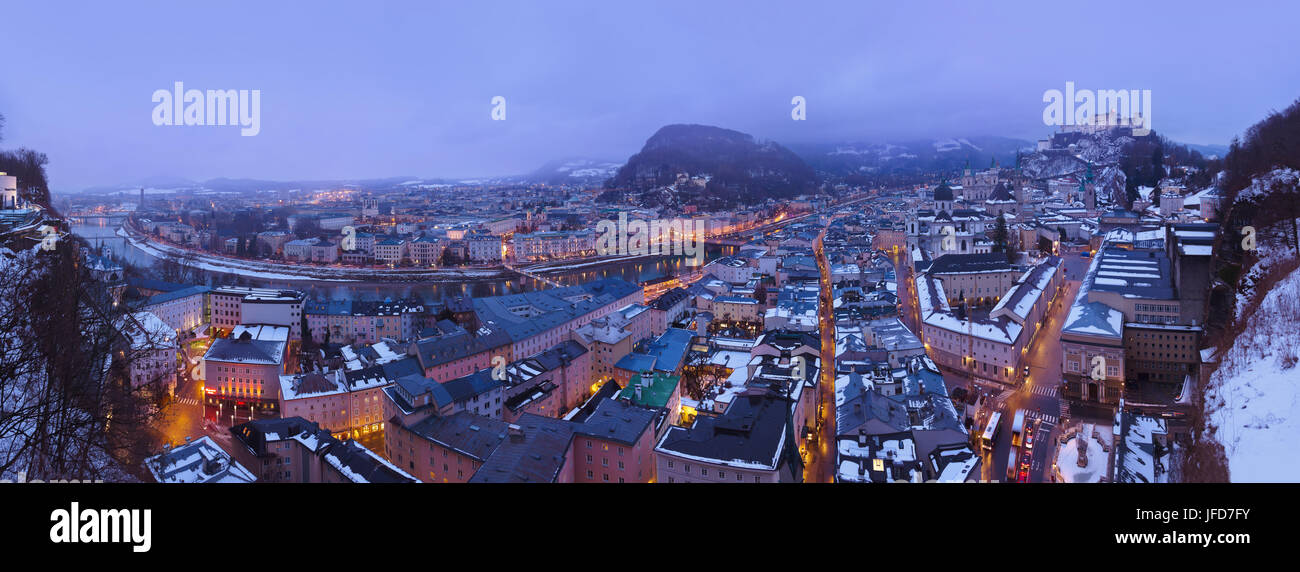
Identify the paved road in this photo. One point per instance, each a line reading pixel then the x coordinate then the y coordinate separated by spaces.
pixel 374 441
pixel 187 415
pixel 909 312
pixel 821 459
pixel 1039 396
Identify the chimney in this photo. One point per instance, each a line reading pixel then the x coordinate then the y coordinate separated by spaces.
pixel 516 433
pixel 211 467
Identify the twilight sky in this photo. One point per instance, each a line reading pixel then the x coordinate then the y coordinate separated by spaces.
pixel 377 89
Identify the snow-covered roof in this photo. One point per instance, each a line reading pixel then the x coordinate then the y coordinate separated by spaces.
pixel 199 461
pixel 147 331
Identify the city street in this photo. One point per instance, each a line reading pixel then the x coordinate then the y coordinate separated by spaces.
pixel 187 415
pixel 821 466
pixel 907 311
pixel 1039 396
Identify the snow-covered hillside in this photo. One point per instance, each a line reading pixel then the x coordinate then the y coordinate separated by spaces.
pixel 1271 251
pixel 1104 148
pixel 1252 402
pixel 1253 399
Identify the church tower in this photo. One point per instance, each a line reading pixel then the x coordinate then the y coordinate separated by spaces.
pixel 943 198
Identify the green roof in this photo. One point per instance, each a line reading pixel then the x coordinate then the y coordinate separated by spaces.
pixel 656 395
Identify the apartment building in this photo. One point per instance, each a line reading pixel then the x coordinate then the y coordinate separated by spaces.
pixel 234 305
pixel 614 443
pixel 182 310
pixel 555 245
pixel 244 369
pixel 347 403
pixel 153 352
pixel 297 450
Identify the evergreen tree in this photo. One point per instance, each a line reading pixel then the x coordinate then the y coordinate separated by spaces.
pixel 1130 190
pixel 1000 237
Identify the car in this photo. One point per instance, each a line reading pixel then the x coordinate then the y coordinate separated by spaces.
pixel 1023 477
pixel 1029 439
pixel 1024 461
pixel 1026 371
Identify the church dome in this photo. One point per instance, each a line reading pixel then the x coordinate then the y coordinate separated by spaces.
pixel 942 192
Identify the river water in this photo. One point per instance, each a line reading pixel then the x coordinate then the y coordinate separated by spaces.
pixel 102 231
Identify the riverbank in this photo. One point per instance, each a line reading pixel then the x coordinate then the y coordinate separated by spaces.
pixel 274 271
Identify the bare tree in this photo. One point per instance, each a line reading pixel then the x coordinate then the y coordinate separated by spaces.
pixel 67 407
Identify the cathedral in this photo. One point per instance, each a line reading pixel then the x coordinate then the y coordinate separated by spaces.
pixel 949 230
pixel 1001 201
pixel 978 186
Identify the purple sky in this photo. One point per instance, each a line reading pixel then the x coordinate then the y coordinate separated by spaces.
pixel 360 89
